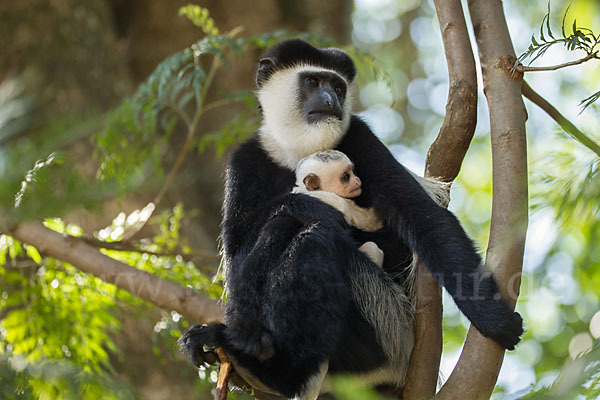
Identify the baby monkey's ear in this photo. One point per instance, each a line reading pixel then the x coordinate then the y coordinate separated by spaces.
pixel 312 182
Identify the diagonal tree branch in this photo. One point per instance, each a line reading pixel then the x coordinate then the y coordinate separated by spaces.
pixel 509 207
pixel 160 292
pixel 560 119
pixel 444 159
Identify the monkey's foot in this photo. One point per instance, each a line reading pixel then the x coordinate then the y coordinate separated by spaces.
pixel 198 343
pixel 252 339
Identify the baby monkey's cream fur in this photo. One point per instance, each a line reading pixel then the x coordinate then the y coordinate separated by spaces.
pixel 328 176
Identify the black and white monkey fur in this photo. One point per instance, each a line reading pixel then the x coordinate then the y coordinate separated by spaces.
pixel 328 175
pixel 303 301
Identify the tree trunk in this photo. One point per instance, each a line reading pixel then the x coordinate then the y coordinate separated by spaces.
pixel 509 208
pixel 443 161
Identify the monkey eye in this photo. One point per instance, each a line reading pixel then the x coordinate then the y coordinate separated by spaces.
pixel 339 90
pixel 346 177
pixel 312 81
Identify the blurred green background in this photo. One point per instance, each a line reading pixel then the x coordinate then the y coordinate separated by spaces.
pixel 96 109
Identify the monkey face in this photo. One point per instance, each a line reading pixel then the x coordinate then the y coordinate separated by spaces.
pixel 336 177
pixel 349 184
pixel 322 95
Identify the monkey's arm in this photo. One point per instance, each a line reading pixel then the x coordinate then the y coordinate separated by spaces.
pixel 364 219
pixel 432 232
pixel 257 190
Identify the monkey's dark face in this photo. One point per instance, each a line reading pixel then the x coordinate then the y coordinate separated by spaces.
pixel 321 95
pixel 305 109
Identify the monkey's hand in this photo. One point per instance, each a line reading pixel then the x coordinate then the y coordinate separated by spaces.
pixel 364 219
pixel 509 332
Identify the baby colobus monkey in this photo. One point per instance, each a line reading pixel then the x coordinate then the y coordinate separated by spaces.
pixel 329 176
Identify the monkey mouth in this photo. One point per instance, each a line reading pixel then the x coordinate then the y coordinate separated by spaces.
pixel 319 115
pixel 356 192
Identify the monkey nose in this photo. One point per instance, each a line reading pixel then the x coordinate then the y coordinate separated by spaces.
pixel 327 100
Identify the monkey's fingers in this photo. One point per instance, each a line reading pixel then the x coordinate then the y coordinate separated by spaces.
pixel 224 373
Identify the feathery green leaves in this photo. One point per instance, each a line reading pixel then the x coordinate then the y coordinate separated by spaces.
pixel 580 38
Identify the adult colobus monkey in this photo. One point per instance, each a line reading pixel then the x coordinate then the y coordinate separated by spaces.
pixel 302 299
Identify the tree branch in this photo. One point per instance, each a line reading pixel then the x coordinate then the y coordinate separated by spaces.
pixel 130 234
pixel 444 159
pixel 523 68
pixel 160 292
pixel 560 119
pixel 448 150
pixel 509 207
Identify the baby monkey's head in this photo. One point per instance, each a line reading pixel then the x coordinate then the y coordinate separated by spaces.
pixel 329 170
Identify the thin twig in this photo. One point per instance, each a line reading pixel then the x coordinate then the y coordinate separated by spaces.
pixel 177 165
pixel 181 112
pixel 122 246
pixel 192 127
pixel 209 78
pixel 522 68
pixel 189 140
pixel 215 104
pixel 225 370
pixel 560 119
pixel 22 264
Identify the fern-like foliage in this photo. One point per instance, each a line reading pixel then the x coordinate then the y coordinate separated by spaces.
pixel 137 132
pixel 568 181
pixel 583 384
pixel 588 101
pixel 136 136
pixel 580 38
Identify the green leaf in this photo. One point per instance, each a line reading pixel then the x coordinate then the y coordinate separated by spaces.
pixel 199 17
pixel 34 254
pixel 564 21
pixel 548 22
pixel 588 101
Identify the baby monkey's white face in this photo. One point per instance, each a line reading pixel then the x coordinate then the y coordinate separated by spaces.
pixel 335 176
